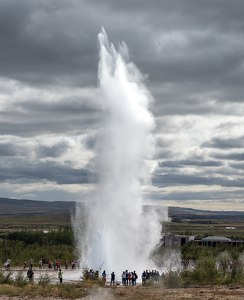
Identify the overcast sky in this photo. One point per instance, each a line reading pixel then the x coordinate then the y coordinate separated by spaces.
pixel 193 54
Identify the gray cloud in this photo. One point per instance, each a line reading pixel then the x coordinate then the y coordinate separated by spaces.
pixel 7 149
pixel 52 151
pixel 237 166
pixel 178 179
pixel 224 143
pixel 231 156
pixel 90 141
pixel 19 170
pixel 182 163
pixel 193 54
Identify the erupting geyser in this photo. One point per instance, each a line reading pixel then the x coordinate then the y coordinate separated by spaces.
pixel 117 233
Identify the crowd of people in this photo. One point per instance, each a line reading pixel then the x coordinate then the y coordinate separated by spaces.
pixel 56 265
pixel 42 262
pixel 153 275
pixel 30 275
pixel 129 278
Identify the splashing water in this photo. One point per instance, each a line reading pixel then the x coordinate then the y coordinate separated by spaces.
pixel 116 232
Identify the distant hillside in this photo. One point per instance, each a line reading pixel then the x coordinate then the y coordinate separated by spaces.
pixel 35 207
pixel 30 207
pixel 193 214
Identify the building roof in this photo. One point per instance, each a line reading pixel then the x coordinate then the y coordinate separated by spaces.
pixel 216 239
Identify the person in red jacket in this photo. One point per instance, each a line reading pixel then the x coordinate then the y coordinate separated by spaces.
pixel 58 264
pixel 130 277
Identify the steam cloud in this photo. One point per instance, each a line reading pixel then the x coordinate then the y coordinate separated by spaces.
pixel 114 230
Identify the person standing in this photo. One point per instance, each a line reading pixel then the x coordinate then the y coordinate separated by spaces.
pixel 30 274
pixel 40 264
pixel 135 276
pixel 123 278
pixel 78 265
pixel 60 275
pixel 112 278
pixel 104 277
pixel 144 277
pixel 24 265
pixel 54 264
pixel 58 264
pixel 73 264
pixel 8 263
pixel 66 265
pixel 127 276
pixel 130 277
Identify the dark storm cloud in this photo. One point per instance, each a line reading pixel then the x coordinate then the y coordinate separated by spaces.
pixel 224 143
pixel 52 151
pixel 182 163
pixel 178 179
pixel 191 50
pixel 237 166
pixel 7 149
pixel 231 156
pixel 39 127
pixel 73 114
pixel 20 169
pixel 163 154
pixel 44 45
pixel 90 141
pixel 52 41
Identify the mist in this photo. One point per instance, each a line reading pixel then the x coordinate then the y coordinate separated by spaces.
pixel 113 231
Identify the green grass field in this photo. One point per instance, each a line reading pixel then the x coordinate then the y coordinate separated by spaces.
pixel 196 227
pixel 202 227
pixel 33 222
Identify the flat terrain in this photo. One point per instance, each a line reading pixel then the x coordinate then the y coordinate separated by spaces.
pixel 154 293
pixel 9 223
pixel 211 227
pixel 45 215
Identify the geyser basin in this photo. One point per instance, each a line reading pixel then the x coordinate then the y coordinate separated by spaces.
pixel 117 234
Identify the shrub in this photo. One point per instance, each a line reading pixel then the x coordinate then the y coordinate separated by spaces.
pixel 85 272
pixel 150 282
pixel 173 279
pixel 6 279
pixel 44 280
pixel 205 272
pixel 223 259
pixel 69 290
pixel 9 290
pixel 21 280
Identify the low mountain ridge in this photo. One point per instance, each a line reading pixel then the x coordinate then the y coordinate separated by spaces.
pixel 37 207
pixel 32 207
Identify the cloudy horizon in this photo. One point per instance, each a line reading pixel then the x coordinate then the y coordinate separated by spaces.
pixel 191 55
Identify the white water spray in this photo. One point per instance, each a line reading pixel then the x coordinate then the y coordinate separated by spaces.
pixel 117 233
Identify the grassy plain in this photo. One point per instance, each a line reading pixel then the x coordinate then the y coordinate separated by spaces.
pixel 9 223
pixel 207 227
pixel 89 291
pixel 195 227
